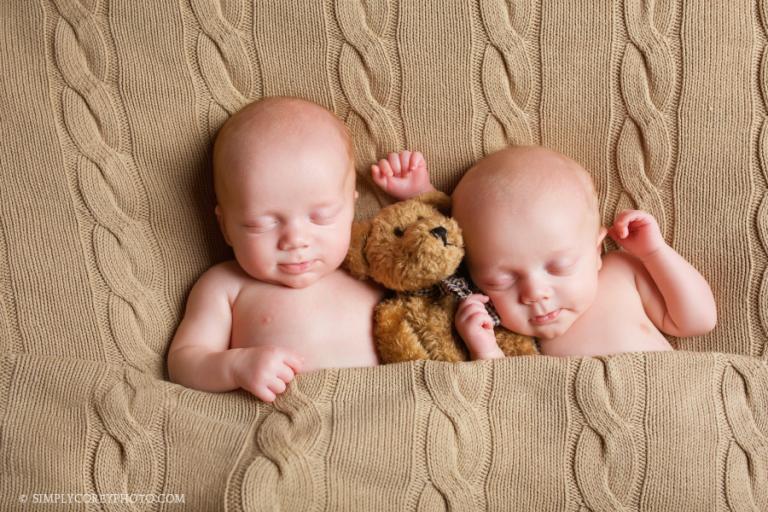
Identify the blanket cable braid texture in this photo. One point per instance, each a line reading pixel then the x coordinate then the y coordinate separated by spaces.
pixel 107 112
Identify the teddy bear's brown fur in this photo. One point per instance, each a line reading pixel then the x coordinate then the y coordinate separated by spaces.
pixel 409 247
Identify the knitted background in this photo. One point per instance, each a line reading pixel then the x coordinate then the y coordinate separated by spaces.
pixel 107 113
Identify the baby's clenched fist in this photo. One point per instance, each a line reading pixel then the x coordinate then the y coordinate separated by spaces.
pixel 637 232
pixel 265 371
pixel 475 326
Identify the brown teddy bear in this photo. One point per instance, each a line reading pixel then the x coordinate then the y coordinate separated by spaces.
pixel 414 249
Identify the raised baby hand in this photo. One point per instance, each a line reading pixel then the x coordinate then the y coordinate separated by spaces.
pixel 637 232
pixel 402 175
pixel 265 371
pixel 475 327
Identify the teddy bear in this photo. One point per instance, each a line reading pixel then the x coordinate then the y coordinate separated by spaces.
pixel 414 249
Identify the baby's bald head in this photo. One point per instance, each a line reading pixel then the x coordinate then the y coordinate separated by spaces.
pixel 268 126
pixel 522 179
pixel 533 238
pixel 285 186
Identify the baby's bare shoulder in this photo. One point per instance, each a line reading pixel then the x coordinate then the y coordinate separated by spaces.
pixel 620 268
pixel 621 262
pixel 225 277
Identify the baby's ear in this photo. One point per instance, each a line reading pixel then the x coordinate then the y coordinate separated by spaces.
pixel 439 200
pixel 600 238
pixel 222 224
pixel 356 263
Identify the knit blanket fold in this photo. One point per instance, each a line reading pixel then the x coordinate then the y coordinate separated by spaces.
pixel 643 431
pixel 107 113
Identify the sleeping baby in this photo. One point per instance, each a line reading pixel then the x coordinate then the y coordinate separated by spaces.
pixel 533 239
pixel 285 185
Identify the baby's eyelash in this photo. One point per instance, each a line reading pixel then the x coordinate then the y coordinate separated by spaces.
pixel 499 283
pixel 323 218
pixel 326 214
pixel 260 229
pixel 561 268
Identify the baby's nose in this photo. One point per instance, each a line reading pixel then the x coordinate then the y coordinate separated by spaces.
pixel 293 237
pixel 441 233
pixel 533 292
pixel 292 244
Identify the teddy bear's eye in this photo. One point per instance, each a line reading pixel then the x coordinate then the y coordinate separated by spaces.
pixel 399 232
pixel 419 218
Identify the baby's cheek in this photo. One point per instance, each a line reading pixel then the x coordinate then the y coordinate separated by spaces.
pixel 505 307
pixel 337 245
pixel 583 290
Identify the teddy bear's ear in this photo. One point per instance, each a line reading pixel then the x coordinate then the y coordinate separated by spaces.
pixel 438 199
pixel 356 263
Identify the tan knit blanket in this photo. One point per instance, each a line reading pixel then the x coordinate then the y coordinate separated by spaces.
pixel 107 112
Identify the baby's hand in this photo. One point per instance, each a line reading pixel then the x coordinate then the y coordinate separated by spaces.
pixel 265 371
pixel 637 232
pixel 402 175
pixel 475 326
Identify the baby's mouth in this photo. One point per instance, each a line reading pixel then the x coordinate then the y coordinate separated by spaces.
pixel 546 318
pixel 296 268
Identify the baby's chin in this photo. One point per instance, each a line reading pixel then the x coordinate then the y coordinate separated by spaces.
pixel 299 281
pixel 543 332
pixel 549 333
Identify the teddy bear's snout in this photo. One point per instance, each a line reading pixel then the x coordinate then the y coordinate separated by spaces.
pixel 441 233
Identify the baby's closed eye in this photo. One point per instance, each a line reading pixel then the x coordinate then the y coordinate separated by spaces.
pixel 561 268
pixel 261 224
pixel 496 282
pixel 325 215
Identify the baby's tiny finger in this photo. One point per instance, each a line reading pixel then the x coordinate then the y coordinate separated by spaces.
pixel 469 306
pixel 476 308
pixel 285 373
pixel 633 216
pixel 295 363
pixel 481 318
pixel 417 159
pixel 394 162
pixel 478 316
pixel 277 386
pixel 478 297
pixel 263 393
pixel 386 170
pixel 462 314
pixel 619 228
pixel 465 313
pixel 405 160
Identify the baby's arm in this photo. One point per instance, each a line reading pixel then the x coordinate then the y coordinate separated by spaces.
pixel 475 327
pixel 676 296
pixel 402 175
pixel 200 357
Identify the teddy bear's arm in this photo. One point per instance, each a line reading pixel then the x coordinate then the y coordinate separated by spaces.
pixel 396 340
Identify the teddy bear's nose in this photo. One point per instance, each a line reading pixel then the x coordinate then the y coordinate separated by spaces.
pixel 441 233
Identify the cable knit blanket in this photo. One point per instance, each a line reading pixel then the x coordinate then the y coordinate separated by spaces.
pixel 107 112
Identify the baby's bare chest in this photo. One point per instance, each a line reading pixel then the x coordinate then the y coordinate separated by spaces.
pixel 328 323
pixel 616 322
